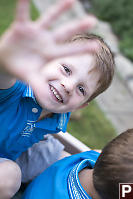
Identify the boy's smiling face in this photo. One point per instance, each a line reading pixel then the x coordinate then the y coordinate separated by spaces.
pixel 69 82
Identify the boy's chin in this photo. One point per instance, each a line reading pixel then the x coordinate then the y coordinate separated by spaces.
pixel 53 110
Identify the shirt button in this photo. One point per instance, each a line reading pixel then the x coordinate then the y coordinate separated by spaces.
pixel 34 110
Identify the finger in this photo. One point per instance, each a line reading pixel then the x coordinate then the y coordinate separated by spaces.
pixel 54 12
pixel 22 10
pixel 71 49
pixel 67 31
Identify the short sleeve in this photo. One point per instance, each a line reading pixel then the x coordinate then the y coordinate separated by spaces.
pixel 12 93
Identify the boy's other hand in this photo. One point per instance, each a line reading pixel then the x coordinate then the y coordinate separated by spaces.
pixel 98 150
pixel 28 45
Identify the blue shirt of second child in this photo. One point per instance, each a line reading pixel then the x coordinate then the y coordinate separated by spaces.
pixel 60 180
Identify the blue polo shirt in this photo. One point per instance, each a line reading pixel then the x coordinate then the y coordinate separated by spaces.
pixel 19 128
pixel 60 180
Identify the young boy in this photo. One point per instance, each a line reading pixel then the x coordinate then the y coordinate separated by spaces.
pixel 27 52
pixel 85 175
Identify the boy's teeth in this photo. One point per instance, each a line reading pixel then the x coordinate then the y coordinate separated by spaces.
pixel 56 94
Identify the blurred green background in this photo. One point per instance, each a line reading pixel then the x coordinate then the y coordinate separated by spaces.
pixel 89 125
pixel 119 13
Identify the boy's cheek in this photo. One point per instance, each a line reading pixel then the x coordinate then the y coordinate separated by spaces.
pixel 75 106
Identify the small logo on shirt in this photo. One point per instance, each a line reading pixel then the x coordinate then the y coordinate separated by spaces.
pixel 30 126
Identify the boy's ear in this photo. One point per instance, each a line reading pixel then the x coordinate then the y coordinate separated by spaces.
pixel 83 105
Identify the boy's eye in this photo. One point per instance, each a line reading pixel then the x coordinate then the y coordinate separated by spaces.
pixel 81 89
pixel 67 70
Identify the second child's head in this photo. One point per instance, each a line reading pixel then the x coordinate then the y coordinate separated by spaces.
pixel 114 166
pixel 72 82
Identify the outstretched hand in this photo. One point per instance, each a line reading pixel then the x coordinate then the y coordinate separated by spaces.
pixel 27 45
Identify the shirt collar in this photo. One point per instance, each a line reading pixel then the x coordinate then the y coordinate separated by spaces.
pixel 58 122
pixel 63 121
pixel 76 191
pixel 28 92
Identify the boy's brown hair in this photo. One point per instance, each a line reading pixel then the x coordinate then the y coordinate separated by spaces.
pixel 114 166
pixel 104 61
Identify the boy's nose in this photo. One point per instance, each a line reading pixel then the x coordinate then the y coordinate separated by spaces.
pixel 68 88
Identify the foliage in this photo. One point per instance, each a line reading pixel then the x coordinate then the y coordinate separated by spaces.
pixel 119 14
pixel 6 14
pixel 7 10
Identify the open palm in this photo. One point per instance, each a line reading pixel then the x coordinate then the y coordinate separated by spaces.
pixel 27 46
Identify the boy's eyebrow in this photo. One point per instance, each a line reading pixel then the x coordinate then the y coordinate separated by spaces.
pixel 67 64
pixel 94 69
